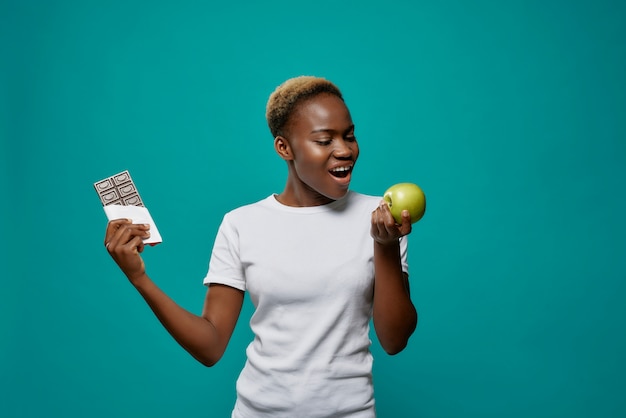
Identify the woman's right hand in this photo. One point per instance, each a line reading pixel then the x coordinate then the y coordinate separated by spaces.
pixel 124 242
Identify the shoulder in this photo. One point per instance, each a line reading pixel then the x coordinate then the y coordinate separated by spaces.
pixel 252 207
pixel 249 211
pixel 364 197
pixel 363 200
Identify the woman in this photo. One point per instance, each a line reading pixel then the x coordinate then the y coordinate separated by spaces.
pixel 319 261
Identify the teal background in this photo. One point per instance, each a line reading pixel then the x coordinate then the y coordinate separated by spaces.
pixel 510 115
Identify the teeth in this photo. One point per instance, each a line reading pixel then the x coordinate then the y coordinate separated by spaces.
pixel 339 169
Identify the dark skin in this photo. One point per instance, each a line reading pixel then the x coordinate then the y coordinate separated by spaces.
pixel 319 148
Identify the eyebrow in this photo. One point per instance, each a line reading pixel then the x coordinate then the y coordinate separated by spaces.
pixel 326 130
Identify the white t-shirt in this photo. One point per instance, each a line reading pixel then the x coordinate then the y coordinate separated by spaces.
pixel 309 272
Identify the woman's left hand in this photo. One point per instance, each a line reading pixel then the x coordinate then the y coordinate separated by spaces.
pixel 384 229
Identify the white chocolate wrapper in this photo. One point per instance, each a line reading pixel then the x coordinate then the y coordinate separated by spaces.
pixel 138 215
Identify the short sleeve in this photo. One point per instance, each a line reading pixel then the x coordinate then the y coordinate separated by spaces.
pixel 404 244
pixel 225 265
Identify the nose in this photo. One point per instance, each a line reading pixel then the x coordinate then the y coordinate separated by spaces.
pixel 343 149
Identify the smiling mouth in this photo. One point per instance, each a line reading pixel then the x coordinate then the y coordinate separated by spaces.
pixel 341 172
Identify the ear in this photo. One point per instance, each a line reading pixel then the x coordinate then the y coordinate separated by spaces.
pixel 282 147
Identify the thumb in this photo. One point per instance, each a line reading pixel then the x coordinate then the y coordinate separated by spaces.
pixel 406 226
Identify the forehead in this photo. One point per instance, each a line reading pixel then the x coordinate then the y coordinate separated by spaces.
pixel 323 111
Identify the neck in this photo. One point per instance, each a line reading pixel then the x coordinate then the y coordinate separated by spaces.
pixel 298 194
pixel 295 198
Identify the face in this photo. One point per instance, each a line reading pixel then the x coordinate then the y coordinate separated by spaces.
pixel 321 149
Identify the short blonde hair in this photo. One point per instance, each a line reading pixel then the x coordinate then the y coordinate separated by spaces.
pixel 284 100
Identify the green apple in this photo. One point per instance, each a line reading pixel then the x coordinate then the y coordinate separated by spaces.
pixel 407 196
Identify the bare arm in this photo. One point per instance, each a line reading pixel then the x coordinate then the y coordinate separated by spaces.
pixel 395 316
pixel 204 336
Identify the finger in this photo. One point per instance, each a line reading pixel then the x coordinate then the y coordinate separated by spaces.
pixel 140 247
pixel 377 223
pixel 133 245
pixel 374 228
pixel 387 217
pixel 140 231
pixel 406 226
pixel 126 232
pixel 384 225
pixel 112 227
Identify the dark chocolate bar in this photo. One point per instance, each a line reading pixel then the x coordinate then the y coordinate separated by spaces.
pixel 118 189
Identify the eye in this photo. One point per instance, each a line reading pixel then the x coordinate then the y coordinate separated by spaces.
pixel 348 135
pixel 323 142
